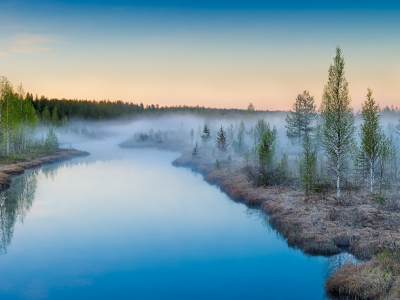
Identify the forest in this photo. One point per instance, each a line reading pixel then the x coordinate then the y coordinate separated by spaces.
pixel 111 110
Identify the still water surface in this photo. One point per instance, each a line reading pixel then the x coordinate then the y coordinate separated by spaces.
pixel 126 224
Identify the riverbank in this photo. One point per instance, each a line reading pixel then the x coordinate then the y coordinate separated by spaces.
pixel 322 224
pixel 363 224
pixel 13 167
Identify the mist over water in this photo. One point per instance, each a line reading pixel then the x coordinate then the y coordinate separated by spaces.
pixel 125 223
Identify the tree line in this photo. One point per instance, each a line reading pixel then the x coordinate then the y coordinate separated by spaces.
pixel 60 110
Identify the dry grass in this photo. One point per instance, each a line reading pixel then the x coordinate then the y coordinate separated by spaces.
pixel 324 224
pixel 377 278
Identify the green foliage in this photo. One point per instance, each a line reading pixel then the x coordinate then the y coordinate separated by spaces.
pixel 206 137
pixel 338 119
pixel 265 171
pixel 46 116
pixel 51 142
pixel 222 144
pixel 265 147
pixel 299 120
pixel 283 166
pixel 17 120
pixel 195 151
pixel 371 134
pixel 308 164
pixel 380 198
pixel 54 118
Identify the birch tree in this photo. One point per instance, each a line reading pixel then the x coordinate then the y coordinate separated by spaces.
pixel 371 134
pixel 338 118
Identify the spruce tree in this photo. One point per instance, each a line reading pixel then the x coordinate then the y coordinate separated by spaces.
pixel 222 144
pixel 338 118
pixel 371 134
pixel 55 119
pixel 46 116
pixel 206 134
pixel 195 152
pixel 299 120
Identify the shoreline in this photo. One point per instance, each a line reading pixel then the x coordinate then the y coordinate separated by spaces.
pixel 324 225
pixel 9 170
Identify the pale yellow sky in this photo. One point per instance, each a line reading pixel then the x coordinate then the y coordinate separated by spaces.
pixel 207 61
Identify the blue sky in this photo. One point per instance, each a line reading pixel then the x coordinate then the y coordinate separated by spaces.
pixel 212 53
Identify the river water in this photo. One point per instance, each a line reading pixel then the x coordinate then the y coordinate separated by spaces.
pixel 126 224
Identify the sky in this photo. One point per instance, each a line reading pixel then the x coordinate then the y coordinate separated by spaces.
pixel 209 53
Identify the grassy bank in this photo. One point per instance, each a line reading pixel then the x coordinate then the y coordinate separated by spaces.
pixel 322 224
pixel 10 166
pixel 364 224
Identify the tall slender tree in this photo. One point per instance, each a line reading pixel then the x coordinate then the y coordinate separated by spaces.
pixel 371 134
pixel 206 134
pixel 222 144
pixel 338 118
pixel 308 164
pixel 299 120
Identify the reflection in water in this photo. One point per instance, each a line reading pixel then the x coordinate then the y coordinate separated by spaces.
pixel 15 204
pixel 210 243
pixel 16 201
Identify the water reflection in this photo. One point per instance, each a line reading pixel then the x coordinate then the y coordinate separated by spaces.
pixel 15 204
pixel 133 226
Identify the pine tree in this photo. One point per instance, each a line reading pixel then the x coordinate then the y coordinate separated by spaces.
pixel 222 145
pixel 338 118
pixel 308 164
pixel 371 134
pixel 195 152
pixel 206 134
pixel 299 120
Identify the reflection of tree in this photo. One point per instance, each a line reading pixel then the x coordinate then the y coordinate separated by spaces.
pixel 49 172
pixel 332 263
pixel 14 205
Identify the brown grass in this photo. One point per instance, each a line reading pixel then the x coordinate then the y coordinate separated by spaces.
pixel 377 278
pixel 323 224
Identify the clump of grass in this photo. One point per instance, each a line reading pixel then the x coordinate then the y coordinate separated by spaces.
pixel 374 279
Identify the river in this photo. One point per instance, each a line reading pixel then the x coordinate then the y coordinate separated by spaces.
pixel 126 224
